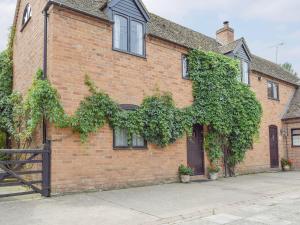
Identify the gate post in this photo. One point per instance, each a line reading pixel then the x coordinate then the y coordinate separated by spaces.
pixel 46 166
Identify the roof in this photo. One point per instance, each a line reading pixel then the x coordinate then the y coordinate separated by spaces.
pixel 181 35
pixel 91 7
pixel 272 69
pixel 170 31
pixel 230 47
pixel 294 107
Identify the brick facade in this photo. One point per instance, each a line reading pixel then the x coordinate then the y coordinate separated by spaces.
pixel 293 152
pixel 80 45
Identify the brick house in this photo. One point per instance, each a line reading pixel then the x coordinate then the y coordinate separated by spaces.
pixel 129 52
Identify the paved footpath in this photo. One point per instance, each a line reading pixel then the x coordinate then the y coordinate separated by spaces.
pixel 269 198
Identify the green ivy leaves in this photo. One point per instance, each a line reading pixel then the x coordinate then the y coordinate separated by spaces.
pixel 229 107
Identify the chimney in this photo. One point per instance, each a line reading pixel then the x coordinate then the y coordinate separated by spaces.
pixel 225 35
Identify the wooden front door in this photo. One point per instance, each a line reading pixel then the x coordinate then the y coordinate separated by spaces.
pixel 195 152
pixel 274 155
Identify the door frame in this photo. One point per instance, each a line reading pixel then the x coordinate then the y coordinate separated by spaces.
pixel 274 127
pixel 201 146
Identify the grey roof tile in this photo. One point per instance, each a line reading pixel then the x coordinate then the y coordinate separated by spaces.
pixel 230 47
pixel 272 69
pixel 181 35
pixel 294 107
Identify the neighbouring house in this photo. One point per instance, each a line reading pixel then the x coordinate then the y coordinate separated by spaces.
pixel 128 52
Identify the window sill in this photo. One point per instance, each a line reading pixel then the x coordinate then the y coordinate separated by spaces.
pixel 295 146
pixel 130 148
pixel 186 78
pixel 274 99
pixel 130 53
pixel 25 24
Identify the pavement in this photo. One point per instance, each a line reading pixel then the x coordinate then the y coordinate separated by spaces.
pixel 260 199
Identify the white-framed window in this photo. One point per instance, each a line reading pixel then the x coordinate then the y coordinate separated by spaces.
pixel 26 15
pixel 185 69
pixel 273 90
pixel 128 35
pixel 296 137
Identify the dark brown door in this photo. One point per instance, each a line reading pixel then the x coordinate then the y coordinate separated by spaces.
pixel 274 155
pixel 195 153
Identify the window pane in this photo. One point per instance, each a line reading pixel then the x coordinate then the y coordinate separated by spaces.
pixel 240 77
pixel 270 90
pixel 296 132
pixel 121 138
pixel 138 141
pixel 137 38
pixel 296 140
pixel 245 72
pixel 185 72
pixel 120 33
pixel 27 14
pixel 275 91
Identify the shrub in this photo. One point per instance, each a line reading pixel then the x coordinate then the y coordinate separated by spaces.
pixel 185 170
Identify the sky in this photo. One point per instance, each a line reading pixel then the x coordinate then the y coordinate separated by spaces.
pixel 263 23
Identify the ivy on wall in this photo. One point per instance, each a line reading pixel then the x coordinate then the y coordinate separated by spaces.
pixel 228 107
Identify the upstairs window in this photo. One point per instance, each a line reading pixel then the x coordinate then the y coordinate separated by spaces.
pixel 295 137
pixel 273 90
pixel 185 70
pixel 128 35
pixel 244 72
pixel 26 15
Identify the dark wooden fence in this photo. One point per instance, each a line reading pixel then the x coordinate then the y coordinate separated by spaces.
pixel 15 172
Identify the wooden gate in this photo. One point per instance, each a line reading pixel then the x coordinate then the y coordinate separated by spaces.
pixel 30 168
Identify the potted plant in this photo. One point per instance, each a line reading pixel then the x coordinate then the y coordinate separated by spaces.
pixel 286 164
pixel 185 173
pixel 213 172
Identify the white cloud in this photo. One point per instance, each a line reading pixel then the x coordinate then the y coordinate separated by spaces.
pixel 7 9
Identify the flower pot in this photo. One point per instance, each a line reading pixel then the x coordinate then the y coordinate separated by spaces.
pixel 286 168
pixel 185 178
pixel 213 176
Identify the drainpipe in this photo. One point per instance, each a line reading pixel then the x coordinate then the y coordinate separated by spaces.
pixel 45 12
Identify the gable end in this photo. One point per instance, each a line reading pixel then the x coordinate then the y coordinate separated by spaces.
pixel 132 8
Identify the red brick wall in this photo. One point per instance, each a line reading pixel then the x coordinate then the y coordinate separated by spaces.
pixel 84 46
pixel 293 152
pixel 258 159
pixel 80 45
pixel 28 51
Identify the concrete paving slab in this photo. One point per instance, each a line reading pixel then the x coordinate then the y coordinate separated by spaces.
pixel 271 198
pixel 222 218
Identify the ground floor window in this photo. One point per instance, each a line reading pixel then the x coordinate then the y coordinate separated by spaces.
pixel 121 140
pixel 296 137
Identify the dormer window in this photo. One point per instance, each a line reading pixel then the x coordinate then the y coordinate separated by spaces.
pixel 26 15
pixel 244 72
pixel 128 35
pixel 129 30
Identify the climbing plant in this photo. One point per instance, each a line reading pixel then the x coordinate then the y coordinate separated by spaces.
pixel 228 107
pixel 6 71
